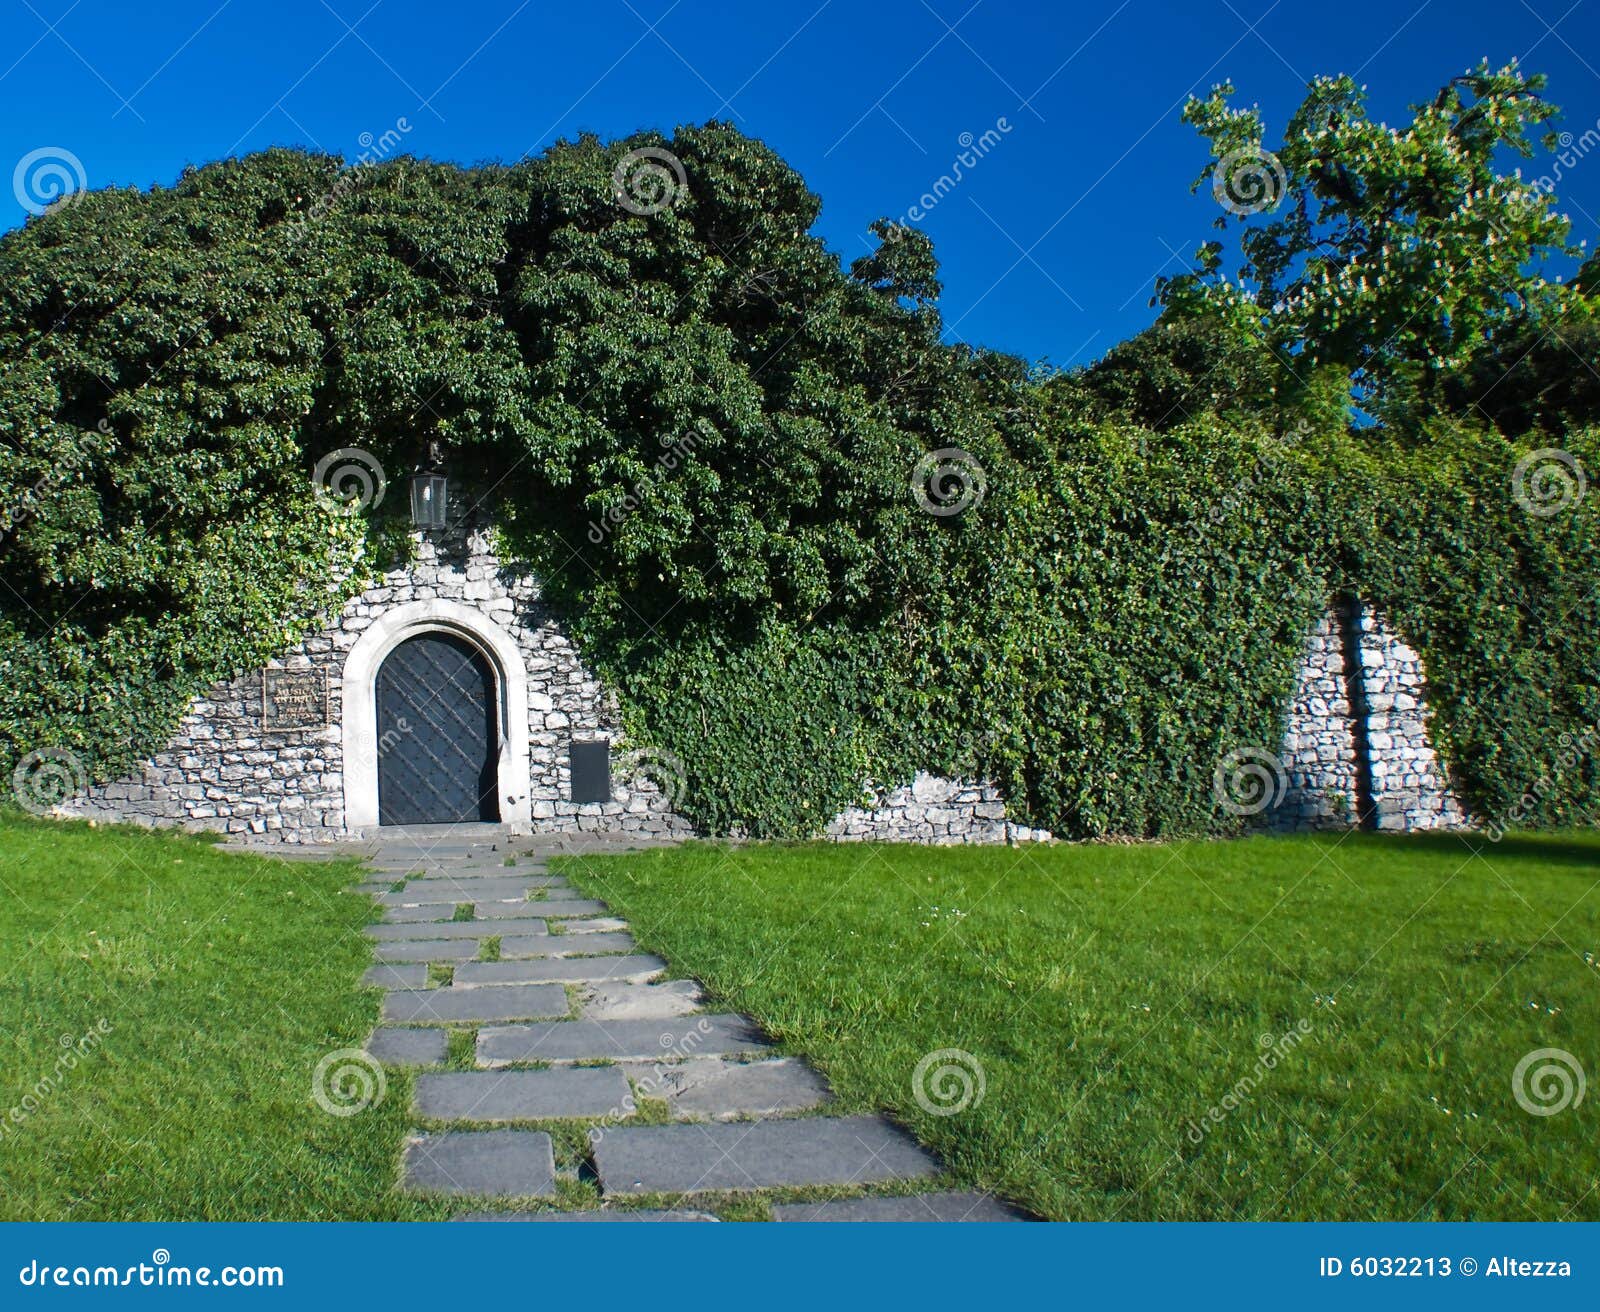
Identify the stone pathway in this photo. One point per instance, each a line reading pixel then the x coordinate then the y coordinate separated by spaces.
pixel 565 1021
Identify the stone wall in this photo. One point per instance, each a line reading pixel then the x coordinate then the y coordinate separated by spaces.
pixel 1319 744
pixel 933 810
pixel 223 770
pixel 1356 747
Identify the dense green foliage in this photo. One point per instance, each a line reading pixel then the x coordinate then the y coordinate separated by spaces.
pixel 713 443
pixel 1112 994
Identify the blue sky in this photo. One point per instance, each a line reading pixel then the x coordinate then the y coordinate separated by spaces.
pixel 1050 245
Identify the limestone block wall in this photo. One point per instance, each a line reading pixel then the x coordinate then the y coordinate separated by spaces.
pixel 933 810
pixel 1356 747
pixel 224 770
pixel 1409 787
pixel 1319 746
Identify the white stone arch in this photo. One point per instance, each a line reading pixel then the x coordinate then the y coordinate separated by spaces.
pixel 360 709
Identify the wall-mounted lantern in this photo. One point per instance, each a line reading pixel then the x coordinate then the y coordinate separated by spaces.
pixel 429 491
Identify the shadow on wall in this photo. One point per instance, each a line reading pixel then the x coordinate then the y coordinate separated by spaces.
pixel 1356 751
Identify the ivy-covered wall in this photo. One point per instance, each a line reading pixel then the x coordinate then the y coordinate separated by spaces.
pixel 806 541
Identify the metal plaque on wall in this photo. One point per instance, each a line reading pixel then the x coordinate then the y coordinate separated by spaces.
pixel 294 699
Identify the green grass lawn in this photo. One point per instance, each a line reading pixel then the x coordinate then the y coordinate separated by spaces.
pixel 1114 995
pixel 198 991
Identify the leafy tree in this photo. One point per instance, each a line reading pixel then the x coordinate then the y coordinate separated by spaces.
pixel 1384 254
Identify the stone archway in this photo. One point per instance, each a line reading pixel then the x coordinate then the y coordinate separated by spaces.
pixel 362 747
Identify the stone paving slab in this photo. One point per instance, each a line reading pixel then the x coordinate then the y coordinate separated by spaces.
pixel 710 1088
pixel 512 1002
pixel 589 1092
pixel 428 949
pixel 627 1001
pixel 375 886
pixel 586 1040
pixel 917 1207
pixel 397 977
pixel 431 892
pixel 455 929
pixel 596 1214
pixel 406 1047
pixel 570 970
pixel 571 907
pixel 563 945
pixel 430 915
pixel 812 1150
pixel 596 925
pixel 518 910
pixel 487 1164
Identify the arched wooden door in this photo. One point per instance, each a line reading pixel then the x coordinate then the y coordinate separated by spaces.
pixel 437 740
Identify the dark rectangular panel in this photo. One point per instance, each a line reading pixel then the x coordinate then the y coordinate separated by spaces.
pixel 591 771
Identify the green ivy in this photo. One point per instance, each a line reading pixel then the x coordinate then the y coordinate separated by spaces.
pixel 703 433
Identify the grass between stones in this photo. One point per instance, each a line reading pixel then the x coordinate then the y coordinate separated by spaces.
pixel 198 991
pixel 1316 1027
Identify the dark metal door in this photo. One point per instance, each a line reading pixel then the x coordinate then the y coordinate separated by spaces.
pixel 436 733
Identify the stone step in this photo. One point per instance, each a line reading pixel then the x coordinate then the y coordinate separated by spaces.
pixel 483 1164
pixel 442 1006
pixel 811 1150
pixel 375 886
pixel 397 1046
pixel 568 1092
pixel 711 1088
pixel 428 949
pixel 502 910
pixel 535 871
pixel 596 925
pixel 554 909
pixel 628 1001
pixel 588 1040
pixel 428 915
pixel 565 969
pixel 431 892
pixel 593 1214
pixel 456 929
pixel 397 977
pixel 914 1207
pixel 563 945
